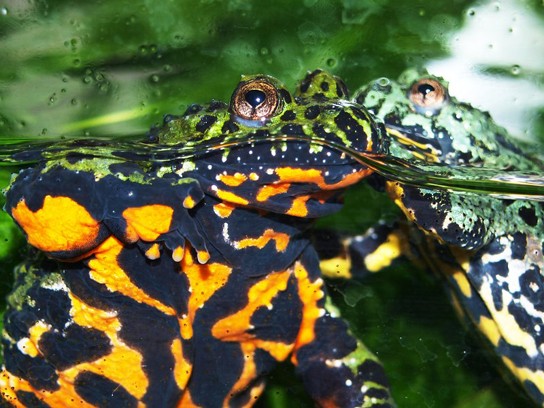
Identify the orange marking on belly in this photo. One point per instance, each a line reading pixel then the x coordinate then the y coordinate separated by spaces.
pixel 232 180
pixel 204 281
pixel 298 206
pixel 147 222
pixel 223 210
pixel 231 197
pixel 281 239
pixel 295 175
pixel 29 345
pixel 122 365
pixel 61 224
pixel 153 252
pixel 271 190
pixel 182 368
pixel 235 327
pixel 249 373
pixel 310 293
pixel 105 269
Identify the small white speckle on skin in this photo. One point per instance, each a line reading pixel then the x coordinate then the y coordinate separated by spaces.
pixel 349 383
pixel 210 167
pixel 130 193
pixel 225 232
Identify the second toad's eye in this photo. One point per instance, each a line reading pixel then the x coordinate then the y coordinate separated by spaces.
pixel 428 96
pixel 255 100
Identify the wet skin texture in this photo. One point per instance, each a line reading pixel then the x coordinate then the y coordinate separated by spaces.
pixel 488 251
pixel 183 283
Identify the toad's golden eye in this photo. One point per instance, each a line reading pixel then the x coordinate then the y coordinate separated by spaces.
pixel 428 96
pixel 255 100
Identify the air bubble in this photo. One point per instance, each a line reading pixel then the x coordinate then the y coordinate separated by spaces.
pixel 3 11
pixel 515 70
pixel 331 62
pixel 154 78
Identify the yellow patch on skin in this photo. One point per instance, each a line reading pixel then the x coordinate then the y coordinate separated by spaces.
pixel 204 281
pixel 91 317
pixel 281 239
pixel 10 383
pixel 121 360
pixel 177 254
pixel 182 368
pixel 189 202
pixel 232 180
pixel 506 323
pixel 231 197
pixel 298 207
pixel 147 222
pixel 105 269
pixel 524 374
pixel 462 283
pixel 429 152
pixel 187 401
pixel 309 293
pixel 336 268
pixel 153 252
pixel 385 254
pixel 271 190
pixel 248 374
pixel 395 191
pixel 235 327
pixel 60 225
pixel 489 328
pixel 29 345
pixel 294 175
pixel 115 366
pixel 249 371
pixel 223 210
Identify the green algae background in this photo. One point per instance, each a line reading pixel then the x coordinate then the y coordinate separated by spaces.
pixel 111 69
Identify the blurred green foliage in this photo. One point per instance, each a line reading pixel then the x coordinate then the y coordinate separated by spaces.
pixel 113 68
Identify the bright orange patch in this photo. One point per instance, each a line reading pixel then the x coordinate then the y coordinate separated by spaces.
pixel 105 269
pixel 147 222
pixel 60 225
pixel 231 197
pixel 182 368
pixel 271 190
pixel 153 252
pixel 294 175
pixel 189 202
pixel 235 327
pixel 223 210
pixel 204 281
pixel 298 207
pixel 282 240
pixel 310 293
pixel 232 180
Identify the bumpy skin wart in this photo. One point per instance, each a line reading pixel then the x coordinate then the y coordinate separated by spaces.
pixel 182 283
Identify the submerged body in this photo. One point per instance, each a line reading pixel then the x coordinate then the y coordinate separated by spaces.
pixel 488 250
pixel 183 283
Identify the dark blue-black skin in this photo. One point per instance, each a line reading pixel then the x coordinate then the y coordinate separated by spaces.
pixel 182 283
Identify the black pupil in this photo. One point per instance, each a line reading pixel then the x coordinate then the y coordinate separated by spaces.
pixel 425 89
pixel 255 97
